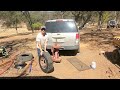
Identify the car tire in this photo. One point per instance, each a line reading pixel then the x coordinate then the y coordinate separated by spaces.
pixel 24 57
pixel 78 50
pixel 46 58
pixel 75 52
pixel 118 25
pixel 107 26
pixel 115 56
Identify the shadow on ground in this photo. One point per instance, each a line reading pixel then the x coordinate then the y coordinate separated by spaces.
pixel 65 53
pixel 30 77
pixel 113 57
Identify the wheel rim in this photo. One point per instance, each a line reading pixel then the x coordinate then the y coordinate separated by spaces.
pixel 43 63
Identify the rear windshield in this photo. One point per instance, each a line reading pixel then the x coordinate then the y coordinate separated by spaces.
pixel 112 22
pixel 61 27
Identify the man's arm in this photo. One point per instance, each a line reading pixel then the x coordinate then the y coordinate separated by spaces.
pixel 45 46
pixel 46 41
pixel 40 46
pixel 39 43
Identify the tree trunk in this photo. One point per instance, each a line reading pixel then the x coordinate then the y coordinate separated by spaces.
pixel 62 14
pixel 88 18
pixel 76 15
pixel 16 25
pixel 30 22
pixel 115 15
pixel 100 20
pixel 27 15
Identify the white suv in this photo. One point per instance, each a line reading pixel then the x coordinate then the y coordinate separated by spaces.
pixel 64 32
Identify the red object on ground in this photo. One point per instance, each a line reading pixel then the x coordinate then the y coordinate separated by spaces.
pixel 9 63
pixel 55 53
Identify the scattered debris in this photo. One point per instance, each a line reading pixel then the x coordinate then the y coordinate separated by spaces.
pixel 93 65
pixel 21 62
pixel 110 73
pixel 102 52
pixel 3 52
pixel 6 65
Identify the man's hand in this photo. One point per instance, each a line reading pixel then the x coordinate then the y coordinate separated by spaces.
pixel 45 50
pixel 41 53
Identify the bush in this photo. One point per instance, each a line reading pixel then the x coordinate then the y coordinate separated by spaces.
pixel 36 26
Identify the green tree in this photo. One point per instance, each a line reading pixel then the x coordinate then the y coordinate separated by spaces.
pixel 11 18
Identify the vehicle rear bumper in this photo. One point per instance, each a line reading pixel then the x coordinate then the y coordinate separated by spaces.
pixel 76 47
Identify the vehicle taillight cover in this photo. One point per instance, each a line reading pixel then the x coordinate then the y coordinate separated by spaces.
pixel 77 36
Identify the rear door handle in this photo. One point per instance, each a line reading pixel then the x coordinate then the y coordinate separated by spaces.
pixel 58 34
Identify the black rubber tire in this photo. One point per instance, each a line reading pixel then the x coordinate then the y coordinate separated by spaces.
pixel 115 56
pixel 118 25
pixel 75 52
pixel 78 50
pixel 24 57
pixel 49 68
pixel 19 64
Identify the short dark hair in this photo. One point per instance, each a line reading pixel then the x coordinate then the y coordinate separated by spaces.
pixel 43 28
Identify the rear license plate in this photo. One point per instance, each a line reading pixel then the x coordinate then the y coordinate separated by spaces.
pixel 58 40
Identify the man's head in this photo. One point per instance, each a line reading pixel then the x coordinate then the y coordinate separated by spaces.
pixel 43 30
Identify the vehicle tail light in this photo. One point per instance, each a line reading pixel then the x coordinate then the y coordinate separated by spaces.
pixel 77 36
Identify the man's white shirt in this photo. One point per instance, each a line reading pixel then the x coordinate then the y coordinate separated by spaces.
pixel 40 38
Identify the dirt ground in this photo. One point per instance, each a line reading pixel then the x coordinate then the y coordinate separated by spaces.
pixel 92 45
